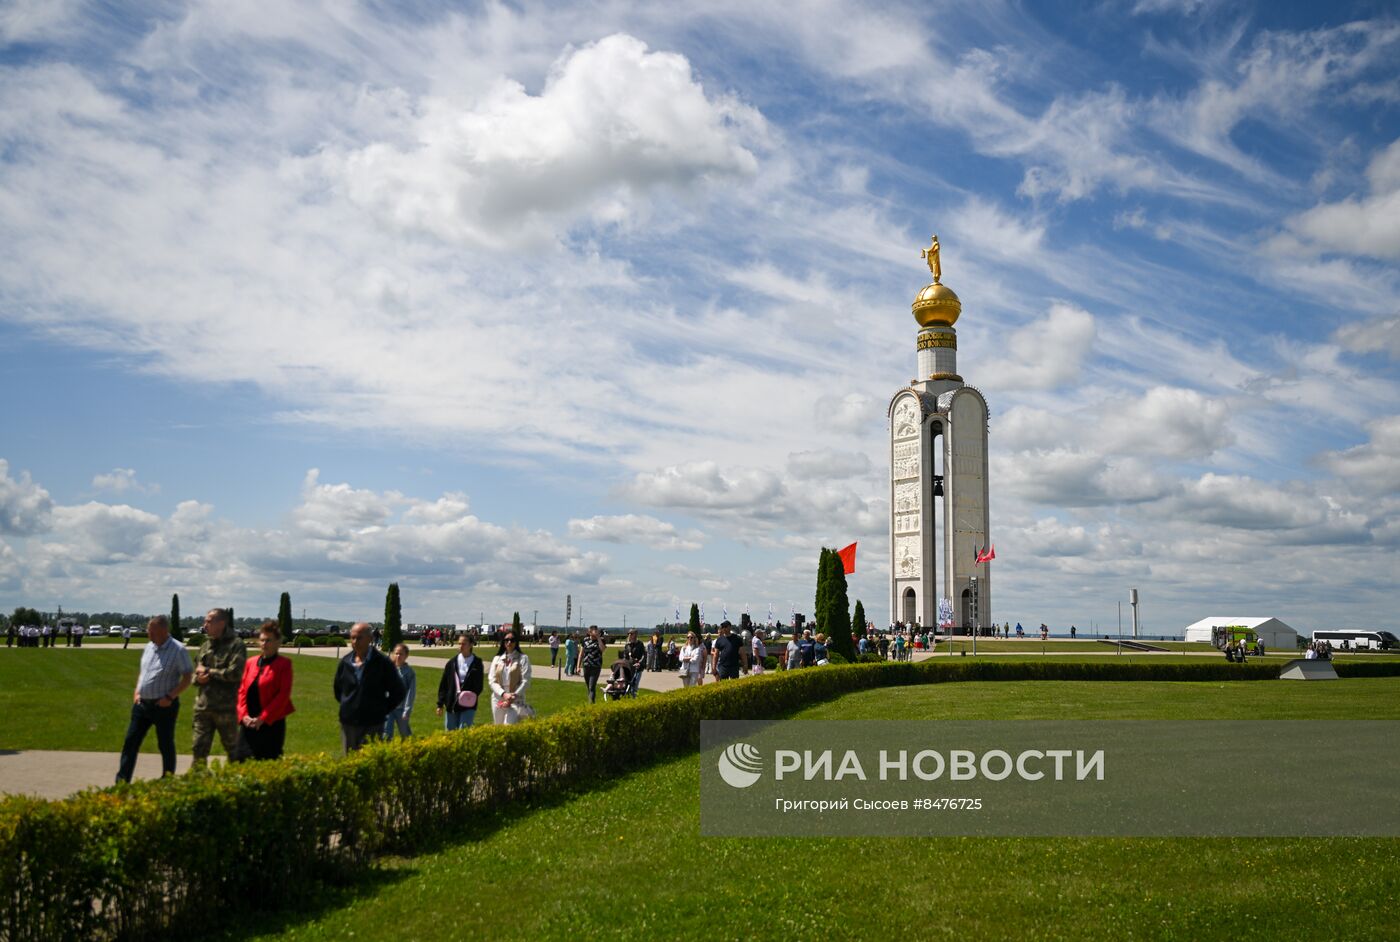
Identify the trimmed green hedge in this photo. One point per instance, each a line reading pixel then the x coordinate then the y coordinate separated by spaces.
pixel 153 857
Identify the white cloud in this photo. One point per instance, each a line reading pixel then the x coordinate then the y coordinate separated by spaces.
pixel 1377 335
pixel 341 546
pixel 612 123
pixel 827 465
pixel 121 480
pixel 1166 422
pixel 635 528
pixel 333 511
pixel 1373 467
pixel 1369 225
pixel 702 485
pixel 1279 77
pixel 24 506
pixel 1070 478
pixel 1044 354
pixel 101 533
pixel 849 413
pixel 29 21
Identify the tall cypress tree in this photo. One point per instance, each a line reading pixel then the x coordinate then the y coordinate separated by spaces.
pixel 393 618
pixel 515 627
pixel 858 620
pixel 837 620
pixel 694 619
pixel 284 616
pixel 823 587
pixel 175 628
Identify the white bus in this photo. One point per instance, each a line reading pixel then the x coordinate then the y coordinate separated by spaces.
pixel 1357 639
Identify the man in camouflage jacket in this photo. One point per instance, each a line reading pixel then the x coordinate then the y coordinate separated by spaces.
pixel 217 673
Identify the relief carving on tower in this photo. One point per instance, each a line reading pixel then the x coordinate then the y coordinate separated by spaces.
pixel 906 498
pixel 906 418
pixel 906 523
pixel 906 556
pixel 906 461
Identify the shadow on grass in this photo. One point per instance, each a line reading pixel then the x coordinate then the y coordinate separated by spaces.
pixel 323 898
pixel 318 899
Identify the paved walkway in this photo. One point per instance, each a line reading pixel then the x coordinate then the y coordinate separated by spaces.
pixel 52 774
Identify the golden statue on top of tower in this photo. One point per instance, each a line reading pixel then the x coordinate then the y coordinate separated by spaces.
pixel 935 267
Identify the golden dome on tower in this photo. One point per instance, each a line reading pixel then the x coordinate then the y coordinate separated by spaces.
pixel 937 306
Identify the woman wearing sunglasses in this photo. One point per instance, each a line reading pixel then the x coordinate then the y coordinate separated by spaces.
pixel 510 679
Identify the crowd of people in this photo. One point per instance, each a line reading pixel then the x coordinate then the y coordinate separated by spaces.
pixel 245 701
pixel 1318 651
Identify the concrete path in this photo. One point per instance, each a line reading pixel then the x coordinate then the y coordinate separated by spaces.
pixel 51 774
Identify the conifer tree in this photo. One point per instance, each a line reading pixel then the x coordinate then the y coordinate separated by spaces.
pixel 284 616
pixel 858 620
pixel 393 618
pixel 695 619
pixel 175 629
pixel 515 627
pixel 836 620
pixel 823 587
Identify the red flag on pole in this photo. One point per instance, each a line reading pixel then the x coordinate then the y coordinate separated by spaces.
pixel 848 558
pixel 987 555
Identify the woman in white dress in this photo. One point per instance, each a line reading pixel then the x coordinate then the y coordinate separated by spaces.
pixel 510 680
pixel 692 661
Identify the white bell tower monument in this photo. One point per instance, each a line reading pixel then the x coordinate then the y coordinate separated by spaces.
pixel 938 476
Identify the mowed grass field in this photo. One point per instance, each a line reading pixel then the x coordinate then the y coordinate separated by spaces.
pixel 626 861
pixel 81 701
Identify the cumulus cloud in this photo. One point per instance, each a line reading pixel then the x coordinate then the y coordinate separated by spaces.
pixel 1166 422
pixel 338 547
pixel 702 485
pixel 612 123
pixel 121 480
pixel 753 504
pixel 1072 478
pixel 1044 354
pixel 1368 225
pixel 24 506
pixel 635 528
pixel 1373 467
pixel 102 533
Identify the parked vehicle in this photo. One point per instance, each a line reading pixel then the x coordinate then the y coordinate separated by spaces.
pixel 1351 639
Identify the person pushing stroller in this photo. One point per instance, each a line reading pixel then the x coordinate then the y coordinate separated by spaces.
pixel 621 680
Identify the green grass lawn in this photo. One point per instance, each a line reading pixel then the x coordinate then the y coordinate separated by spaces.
pixel 81 700
pixel 627 861
pixel 1372 698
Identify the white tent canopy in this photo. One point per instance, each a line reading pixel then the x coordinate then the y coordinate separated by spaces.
pixel 1274 633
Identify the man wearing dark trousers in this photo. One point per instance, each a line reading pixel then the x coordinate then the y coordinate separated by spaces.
pixel 165 673
pixel 727 649
pixel 636 652
pixel 591 660
pixel 368 687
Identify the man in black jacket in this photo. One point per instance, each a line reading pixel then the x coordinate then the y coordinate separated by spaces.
pixel 636 652
pixel 367 686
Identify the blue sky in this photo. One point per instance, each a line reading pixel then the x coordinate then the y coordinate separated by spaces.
pixel 509 302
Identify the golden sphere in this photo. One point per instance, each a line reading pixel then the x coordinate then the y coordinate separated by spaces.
pixel 937 305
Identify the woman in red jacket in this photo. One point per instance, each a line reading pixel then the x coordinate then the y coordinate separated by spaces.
pixel 264 699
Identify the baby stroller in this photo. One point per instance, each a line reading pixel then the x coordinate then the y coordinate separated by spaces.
pixel 621 679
